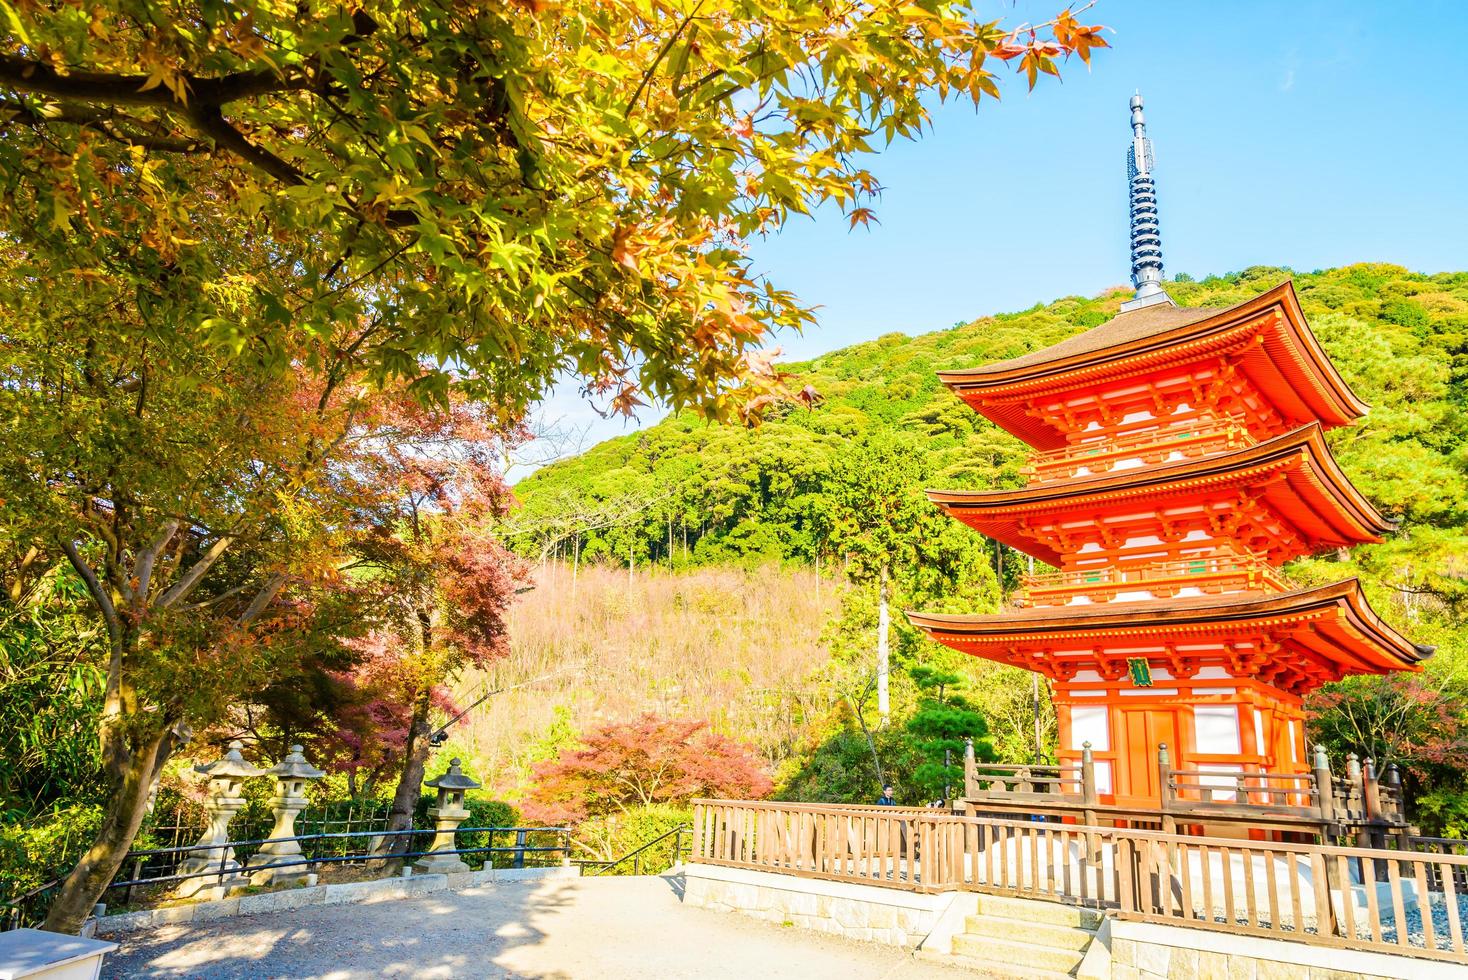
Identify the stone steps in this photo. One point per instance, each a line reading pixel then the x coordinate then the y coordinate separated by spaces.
pixel 1032 910
pixel 990 968
pixel 1016 937
pixel 1024 931
pixel 1008 953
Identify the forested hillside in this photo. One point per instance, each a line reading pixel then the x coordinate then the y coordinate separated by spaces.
pixel 691 493
pixel 684 494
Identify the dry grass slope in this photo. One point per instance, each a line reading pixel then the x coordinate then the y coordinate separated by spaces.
pixel 729 645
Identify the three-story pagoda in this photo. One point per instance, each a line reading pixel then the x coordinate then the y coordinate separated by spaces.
pixel 1180 461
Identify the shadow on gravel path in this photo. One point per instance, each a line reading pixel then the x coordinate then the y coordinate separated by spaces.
pixel 621 928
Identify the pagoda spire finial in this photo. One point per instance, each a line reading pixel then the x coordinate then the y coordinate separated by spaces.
pixel 1146 238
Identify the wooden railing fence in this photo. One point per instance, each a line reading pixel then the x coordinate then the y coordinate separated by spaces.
pixel 1410 900
pixel 1355 804
pixel 1149 447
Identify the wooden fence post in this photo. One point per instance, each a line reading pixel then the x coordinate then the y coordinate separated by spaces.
pixel 1165 789
pixel 1353 785
pixel 700 813
pixel 1126 892
pixel 1089 801
pixel 1324 791
pixel 1371 801
pixel 1395 805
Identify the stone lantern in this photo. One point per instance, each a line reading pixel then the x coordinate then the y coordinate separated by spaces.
pixel 226 774
pixel 290 775
pixel 447 816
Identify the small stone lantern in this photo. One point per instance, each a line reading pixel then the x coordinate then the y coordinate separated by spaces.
pixel 290 775
pixel 447 816
pixel 226 774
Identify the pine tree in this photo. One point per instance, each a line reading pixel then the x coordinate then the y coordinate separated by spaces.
pixel 944 721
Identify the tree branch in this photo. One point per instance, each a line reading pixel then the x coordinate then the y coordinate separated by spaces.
pixel 662 53
pixel 103 599
pixel 109 88
pixel 149 556
pixel 213 600
pixel 199 105
pixel 262 599
pixel 196 571
pixel 211 122
pixel 102 120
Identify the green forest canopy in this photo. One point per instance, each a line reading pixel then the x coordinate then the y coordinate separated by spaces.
pixel 713 494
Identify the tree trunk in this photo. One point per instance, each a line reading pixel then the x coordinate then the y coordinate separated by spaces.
pixel 1035 694
pixel 126 806
pixel 410 783
pixel 884 623
pixel 861 720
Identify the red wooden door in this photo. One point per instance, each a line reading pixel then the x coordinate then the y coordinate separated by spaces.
pixel 1147 729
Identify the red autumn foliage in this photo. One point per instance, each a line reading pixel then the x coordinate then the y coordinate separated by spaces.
pixel 367 731
pixel 651 760
pixel 431 494
pixel 1415 720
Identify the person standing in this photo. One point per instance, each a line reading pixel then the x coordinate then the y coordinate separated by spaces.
pixel 886 799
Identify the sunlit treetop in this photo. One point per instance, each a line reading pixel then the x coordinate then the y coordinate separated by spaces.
pixel 500 192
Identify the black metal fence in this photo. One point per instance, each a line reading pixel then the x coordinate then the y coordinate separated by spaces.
pixel 182 821
pixel 654 857
pixel 148 874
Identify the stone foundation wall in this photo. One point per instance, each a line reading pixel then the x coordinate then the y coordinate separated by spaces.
pixel 1148 951
pixel 865 912
pixel 1123 950
pixel 381 890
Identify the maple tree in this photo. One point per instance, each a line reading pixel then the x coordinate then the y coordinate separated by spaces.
pixel 364 729
pixel 650 761
pixel 202 500
pixel 508 190
pixel 1416 720
pixel 224 223
pixel 426 548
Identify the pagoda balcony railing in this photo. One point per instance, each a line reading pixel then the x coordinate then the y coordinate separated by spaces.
pixel 1355 802
pixel 1132 451
pixel 1212 575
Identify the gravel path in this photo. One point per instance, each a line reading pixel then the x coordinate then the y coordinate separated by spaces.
pixel 606 928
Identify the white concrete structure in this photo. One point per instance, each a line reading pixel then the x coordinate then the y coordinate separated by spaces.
pixel 30 954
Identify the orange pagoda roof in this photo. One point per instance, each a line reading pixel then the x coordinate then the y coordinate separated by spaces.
pixel 1295 473
pixel 1329 631
pixel 1267 334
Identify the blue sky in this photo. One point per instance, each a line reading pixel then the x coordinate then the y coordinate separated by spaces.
pixel 1303 134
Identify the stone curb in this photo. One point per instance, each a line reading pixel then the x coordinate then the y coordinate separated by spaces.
pixel 354 892
pixel 856 911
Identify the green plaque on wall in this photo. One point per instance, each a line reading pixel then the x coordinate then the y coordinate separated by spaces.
pixel 1140 670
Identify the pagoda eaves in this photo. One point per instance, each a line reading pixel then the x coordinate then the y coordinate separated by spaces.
pixel 1256 360
pixel 1298 639
pixel 1282 498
